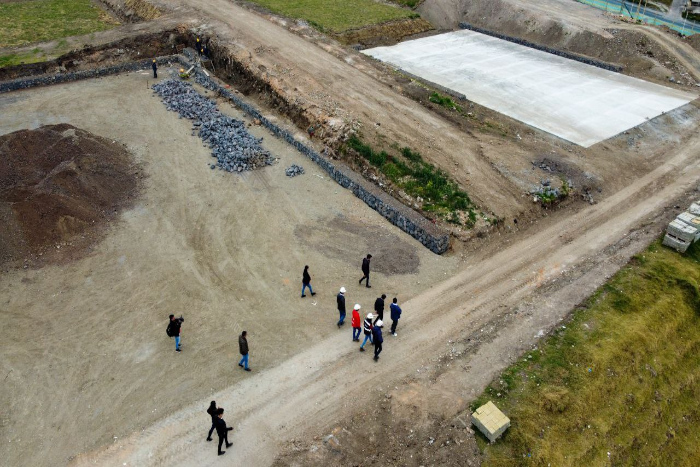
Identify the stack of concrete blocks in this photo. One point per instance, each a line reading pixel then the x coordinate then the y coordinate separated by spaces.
pixel 684 229
pixel 490 421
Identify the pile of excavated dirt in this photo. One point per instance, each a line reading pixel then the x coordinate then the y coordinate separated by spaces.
pixel 694 41
pixel 59 187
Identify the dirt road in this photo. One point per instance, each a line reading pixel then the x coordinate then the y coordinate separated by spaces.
pixel 312 75
pixel 331 379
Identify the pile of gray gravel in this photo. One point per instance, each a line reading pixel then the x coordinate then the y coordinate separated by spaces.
pixel 294 170
pixel 235 149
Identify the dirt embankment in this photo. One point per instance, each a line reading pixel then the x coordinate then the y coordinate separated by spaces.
pixel 59 187
pixel 384 34
pixel 122 51
pixel 633 50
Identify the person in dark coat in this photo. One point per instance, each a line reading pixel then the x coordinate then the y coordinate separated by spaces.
pixel 306 282
pixel 395 315
pixel 365 270
pixel 243 347
pixel 212 412
pixel 198 46
pixel 174 330
pixel 341 306
pixel 379 307
pixel 377 339
pixel 222 430
pixel 367 328
pixel 155 68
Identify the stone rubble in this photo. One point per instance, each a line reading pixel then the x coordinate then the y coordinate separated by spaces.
pixel 294 170
pixel 235 149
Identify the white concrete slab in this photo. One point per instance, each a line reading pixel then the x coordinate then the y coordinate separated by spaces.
pixel 577 102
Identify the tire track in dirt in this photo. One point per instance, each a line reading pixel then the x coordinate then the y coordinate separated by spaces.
pixel 326 380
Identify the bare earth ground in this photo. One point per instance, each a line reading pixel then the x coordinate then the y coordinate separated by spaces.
pixel 329 381
pixel 195 243
pixel 86 356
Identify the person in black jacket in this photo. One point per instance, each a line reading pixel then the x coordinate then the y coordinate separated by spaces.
pixel 222 430
pixel 379 308
pixel 341 306
pixel 377 339
pixel 306 282
pixel 243 347
pixel 365 270
pixel 212 412
pixel 174 330
pixel 155 68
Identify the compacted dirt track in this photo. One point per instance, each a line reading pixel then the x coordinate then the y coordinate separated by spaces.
pixel 316 77
pixel 331 379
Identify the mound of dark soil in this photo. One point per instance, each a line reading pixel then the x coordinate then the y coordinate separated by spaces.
pixel 59 186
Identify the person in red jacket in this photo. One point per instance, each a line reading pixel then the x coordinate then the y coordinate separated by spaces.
pixel 356 324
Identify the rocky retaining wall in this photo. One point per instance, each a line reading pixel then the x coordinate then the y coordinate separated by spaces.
pixel 408 220
pixel 44 80
pixel 544 48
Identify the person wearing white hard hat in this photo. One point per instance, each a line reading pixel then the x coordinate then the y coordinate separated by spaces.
pixel 367 325
pixel 356 323
pixel 341 306
pixel 377 338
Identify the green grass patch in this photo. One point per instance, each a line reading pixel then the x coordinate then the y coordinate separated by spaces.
pixel 45 20
pixel 336 15
pixel 444 101
pixel 407 3
pixel 17 59
pixel 620 383
pixel 408 171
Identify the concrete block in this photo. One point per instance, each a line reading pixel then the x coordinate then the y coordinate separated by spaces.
pixel 691 220
pixel 695 208
pixel 677 244
pixel 490 421
pixel 681 230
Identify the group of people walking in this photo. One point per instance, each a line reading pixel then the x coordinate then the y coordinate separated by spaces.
pixel 371 326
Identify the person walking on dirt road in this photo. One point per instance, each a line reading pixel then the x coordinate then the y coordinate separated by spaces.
pixel 155 68
pixel 365 270
pixel 367 325
pixel 356 325
pixel 243 347
pixel 377 339
pixel 212 412
pixel 173 330
pixel 222 430
pixel 341 306
pixel 306 282
pixel 395 315
pixel 379 308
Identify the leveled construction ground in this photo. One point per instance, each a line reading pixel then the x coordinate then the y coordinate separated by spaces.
pixel 618 385
pixel 86 355
pixel 577 102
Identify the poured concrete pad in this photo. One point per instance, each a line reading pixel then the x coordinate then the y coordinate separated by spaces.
pixel 580 103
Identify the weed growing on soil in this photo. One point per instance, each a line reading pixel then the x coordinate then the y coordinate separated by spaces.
pixel 45 20
pixel 618 385
pixel 337 15
pixel 408 3
pixel 418 178
pixel 444 101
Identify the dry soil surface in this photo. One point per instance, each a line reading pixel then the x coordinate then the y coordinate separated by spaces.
pixel 85 355
pixel 330 380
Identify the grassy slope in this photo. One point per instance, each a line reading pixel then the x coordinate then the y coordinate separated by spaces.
pixel 620 384
pixel 336 15
pixel 44 20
